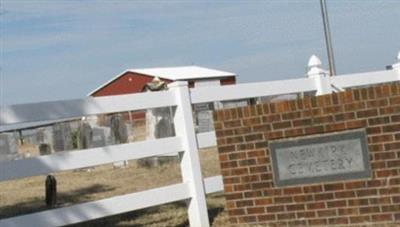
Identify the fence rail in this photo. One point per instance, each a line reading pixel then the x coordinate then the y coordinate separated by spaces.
pixel 194 187
pixel 69 160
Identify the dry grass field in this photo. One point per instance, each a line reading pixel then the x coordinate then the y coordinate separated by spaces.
pixel 27 195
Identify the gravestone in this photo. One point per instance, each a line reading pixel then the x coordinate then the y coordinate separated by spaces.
pixel 44 135
pixel 8 147
pixel 44 149
pixel 100 135
pixel 119 134
pixel 85 135
pixel 62 137
pixel 204 117
pixel 159 124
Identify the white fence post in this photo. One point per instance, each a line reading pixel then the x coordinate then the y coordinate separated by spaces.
pixel 396 66
pixel 190 162
pixel 320 76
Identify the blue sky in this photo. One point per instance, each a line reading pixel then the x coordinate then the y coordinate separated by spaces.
pixel 53 50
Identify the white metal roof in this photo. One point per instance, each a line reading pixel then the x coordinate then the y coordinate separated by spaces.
pixel 183 72
pixel 174 73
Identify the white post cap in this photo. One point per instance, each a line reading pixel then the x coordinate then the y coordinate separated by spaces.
pixel 314 67
pixel 397 64
pixel 314 61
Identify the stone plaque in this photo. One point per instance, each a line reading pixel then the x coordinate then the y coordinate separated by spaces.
pixel 332 157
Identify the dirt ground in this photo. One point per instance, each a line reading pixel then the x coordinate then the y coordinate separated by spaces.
pixel 27 195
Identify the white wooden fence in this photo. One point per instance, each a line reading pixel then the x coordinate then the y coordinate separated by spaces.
pixel 194 187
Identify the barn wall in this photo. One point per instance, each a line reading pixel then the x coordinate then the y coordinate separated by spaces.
pixel 126 84
pixel 228 81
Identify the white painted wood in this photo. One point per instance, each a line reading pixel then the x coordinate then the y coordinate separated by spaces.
pixel 69 160
pixel 396 66
pixel 320 76
pixel 101 208
pixel 250 90
pixel 59 110
pixel 190 161
pixel 214 184
pixel 206 139
pixel 362 79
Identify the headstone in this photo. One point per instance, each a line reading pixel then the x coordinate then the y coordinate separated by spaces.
pixel 44 135
pixel 334 157
pixel 204 117
pixel 99 138
pixel 119 135
pixel 62 137
pixel 85 135
pixel 44 149
pixel 8 147
pixel 119 132
pixel 159 123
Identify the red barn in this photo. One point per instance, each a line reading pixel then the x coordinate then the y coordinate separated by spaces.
pixel 134 80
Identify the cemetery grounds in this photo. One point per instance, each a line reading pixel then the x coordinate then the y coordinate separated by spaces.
pixel 26 195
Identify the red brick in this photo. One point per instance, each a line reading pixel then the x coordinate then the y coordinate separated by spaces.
pixel 357 202
pixel 347 211
pixel 326 213
pixel 305 214
pixel 315 206
pixel 285 216
pixel 338 220
pixel 281 125
pixel 255 210
pixel 295 207
pixel 285 199
pixel 368 210
pixel 274 209
pixel 236 212
pixel 244 203
pixel 392 146
pixel 378 120
pixel 267 217
pixel 359 219
pixel 354 185
pixel 302 198
pixel 335 127
pixel 263 201
pixel 366 192
pixel 317 222
pixel 367 113
pixel 345 194
pixel 312 189
pixel 333 187
pixel 247 219
pixel 381 217
pixel 337 203
pixel 323 196
pixel 293 190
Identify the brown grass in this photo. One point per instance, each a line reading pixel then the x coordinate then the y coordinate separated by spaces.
pixel 27 195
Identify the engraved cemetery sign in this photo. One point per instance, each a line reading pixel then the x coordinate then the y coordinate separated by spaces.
pixel 331 157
